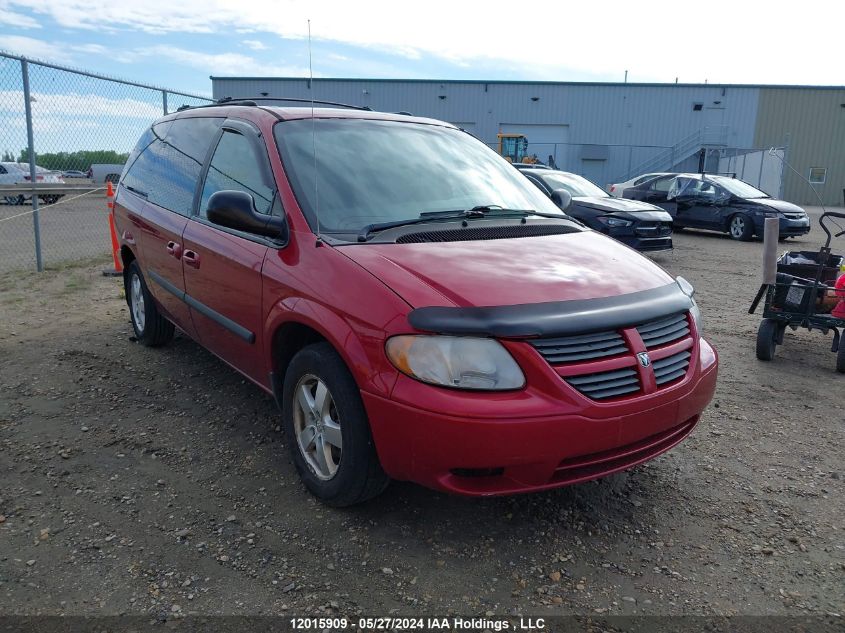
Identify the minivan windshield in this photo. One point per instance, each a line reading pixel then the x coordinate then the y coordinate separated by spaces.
pixel 738 188
pixel 372 171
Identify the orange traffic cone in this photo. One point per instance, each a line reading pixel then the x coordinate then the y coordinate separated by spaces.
pixel 117 271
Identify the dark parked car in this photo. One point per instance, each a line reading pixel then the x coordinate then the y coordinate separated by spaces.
pixel 640 225
pixel 412 320
pixel 719 203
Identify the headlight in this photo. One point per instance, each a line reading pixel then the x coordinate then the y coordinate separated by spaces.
pixel 455 361
pixel 609 220
pixel 695 312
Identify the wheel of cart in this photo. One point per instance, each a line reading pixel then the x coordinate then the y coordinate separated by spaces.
pixel 769 336
pixel 800 296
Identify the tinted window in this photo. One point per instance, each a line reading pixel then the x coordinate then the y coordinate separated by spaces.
pixel 643 179
pixel 380 171
pixel 662 184
pixel 739 188
pixel 235 165
pixel 168 169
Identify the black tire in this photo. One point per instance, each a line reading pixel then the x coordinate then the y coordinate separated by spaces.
pixel 840 355
pixel 767 339
pixel 740 227
pixel 358 474
pixel 151 328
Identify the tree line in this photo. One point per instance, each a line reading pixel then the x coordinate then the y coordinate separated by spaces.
pixel 61 161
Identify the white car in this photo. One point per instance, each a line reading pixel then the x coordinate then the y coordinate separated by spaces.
pixel 616 190
pixel 18 174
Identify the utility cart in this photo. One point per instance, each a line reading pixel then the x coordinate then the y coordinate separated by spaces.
pixel 800 298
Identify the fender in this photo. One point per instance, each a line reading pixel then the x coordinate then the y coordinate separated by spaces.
pixel 369 366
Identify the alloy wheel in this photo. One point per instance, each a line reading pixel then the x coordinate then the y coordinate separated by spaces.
pixel 737 226
pixel 317 426
pixel 136 293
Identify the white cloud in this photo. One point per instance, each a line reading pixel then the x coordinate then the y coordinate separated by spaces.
pixel 31 47
pixel 17 20
pixel 256 45
pixel 78 106
pixel 220 63
pixel 656 41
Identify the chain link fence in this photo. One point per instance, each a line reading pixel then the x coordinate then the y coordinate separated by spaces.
pixel 81 127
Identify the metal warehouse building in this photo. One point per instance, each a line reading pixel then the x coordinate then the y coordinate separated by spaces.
pixel 610 132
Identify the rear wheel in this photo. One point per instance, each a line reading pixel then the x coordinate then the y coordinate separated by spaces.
pixel 151 328
pixel 741 228
pixel 767 339
pixel 327 430
pixel 840 355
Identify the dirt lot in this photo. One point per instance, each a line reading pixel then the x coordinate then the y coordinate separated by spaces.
pixel 157 482
pixel 75 228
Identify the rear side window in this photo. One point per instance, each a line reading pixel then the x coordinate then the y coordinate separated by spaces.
pixel 236 166
pixel 167 170
pixel 662 184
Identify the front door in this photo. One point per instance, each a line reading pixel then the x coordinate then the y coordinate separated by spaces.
pixel 223 266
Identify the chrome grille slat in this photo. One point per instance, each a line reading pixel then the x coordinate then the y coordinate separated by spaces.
pixel 606 384
pixel 671 368
pixel 582 347
pixel 665 330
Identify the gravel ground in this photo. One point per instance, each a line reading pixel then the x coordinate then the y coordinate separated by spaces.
pixel 156 482
pixel 71 230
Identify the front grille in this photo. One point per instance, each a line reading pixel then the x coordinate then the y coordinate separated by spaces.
pixel 795 216
pixel 601 365
pixel 671 368
pixel 607 384
pixel 568 349
pixel 664 330
pixel 653 229
pixel 474 233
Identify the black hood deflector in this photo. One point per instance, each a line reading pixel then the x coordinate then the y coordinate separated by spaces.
pixel 556 318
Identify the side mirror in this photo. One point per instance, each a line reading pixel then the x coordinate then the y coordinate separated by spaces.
pixel 236 210
pixel 562 198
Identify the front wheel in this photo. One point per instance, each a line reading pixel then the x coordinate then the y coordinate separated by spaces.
pixel 840 355
pixel 741 227
pixel 327 430
pixel 151 328
pixel 767 339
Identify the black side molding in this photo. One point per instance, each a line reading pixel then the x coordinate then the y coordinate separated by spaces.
pixel 556 318
pixel 235 328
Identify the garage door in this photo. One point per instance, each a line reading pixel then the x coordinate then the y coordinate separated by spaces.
pixel 544 140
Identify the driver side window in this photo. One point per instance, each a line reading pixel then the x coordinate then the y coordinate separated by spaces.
pixel 235 166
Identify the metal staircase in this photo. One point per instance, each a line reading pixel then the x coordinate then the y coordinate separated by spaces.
pixel 666 159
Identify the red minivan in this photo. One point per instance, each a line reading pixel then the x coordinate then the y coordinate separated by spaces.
pixel 417 308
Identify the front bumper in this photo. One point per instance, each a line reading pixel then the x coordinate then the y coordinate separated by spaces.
pixel 788 227
pixel 562 442
pixel 642 236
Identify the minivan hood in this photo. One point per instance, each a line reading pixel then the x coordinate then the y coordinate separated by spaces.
pixel 583 265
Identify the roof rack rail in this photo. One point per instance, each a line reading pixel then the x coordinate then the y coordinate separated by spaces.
pixel 251 101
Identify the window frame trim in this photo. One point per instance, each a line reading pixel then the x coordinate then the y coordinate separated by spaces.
pixel 817 182
pixel 250 131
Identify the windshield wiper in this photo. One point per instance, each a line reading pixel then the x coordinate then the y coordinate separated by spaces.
pixel 477 212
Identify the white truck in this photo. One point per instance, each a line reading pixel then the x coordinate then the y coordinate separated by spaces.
pixel 101 173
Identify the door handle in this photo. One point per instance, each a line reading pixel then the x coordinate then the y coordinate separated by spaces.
pixel 191 258
pixel 174 249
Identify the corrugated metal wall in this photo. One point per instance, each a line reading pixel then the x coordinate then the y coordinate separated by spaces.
pixel 813 121
pixel 636 122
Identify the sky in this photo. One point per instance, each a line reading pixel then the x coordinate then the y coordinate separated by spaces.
pixel 180 43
